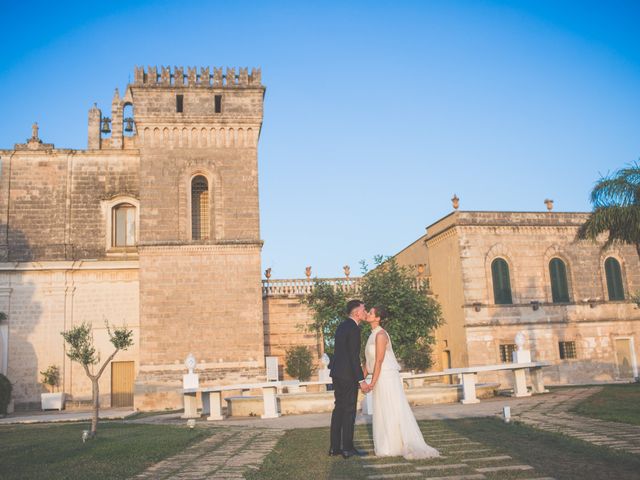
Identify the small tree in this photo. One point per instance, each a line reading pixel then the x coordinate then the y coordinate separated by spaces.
pixel 327 304
pixel 81 350
pixel 413 315
pixel 51 377
pixel 299 362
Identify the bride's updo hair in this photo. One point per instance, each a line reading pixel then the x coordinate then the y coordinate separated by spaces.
pixel 382 313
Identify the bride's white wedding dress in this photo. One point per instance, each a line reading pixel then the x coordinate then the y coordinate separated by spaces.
pixel 395 430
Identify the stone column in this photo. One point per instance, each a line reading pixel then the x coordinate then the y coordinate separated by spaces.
pixel 95 117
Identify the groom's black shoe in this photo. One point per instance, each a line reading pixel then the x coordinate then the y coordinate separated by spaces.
pixel 353 453
pixel 333 453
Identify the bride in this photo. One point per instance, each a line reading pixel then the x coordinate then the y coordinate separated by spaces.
pixel 395 430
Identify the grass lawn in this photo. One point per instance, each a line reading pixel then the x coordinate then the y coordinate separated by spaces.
pixel 302 454
pixel 550 453
pixel 617 403
pixel 56 451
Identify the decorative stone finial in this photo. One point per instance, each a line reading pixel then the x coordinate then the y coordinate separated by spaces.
pixel 307 272
pixel 267 273
pixel 190 362
pixel 347 270
pixel 455 201
pixel 34 132
pixel 549 203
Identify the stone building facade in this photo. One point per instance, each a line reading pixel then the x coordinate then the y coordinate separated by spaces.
pixel 500 273
pixel 156 226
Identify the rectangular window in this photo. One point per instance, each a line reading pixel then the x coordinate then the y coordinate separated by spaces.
pixel 179 103
pixel 567 350
pixel 218 103
pixel 124 225
pixel 506 352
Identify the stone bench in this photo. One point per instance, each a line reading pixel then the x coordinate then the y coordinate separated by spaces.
pixel 212 396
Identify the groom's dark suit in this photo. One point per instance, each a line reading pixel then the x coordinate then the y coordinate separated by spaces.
pixel 346 372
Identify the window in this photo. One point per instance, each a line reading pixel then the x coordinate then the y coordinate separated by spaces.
pixel 506 352
pixel 199 208
pixel 567 350
pixel 179 103
pixel 124 225
pixel 501 282
pixel 218 103
pixel 614 279
pixel 558 276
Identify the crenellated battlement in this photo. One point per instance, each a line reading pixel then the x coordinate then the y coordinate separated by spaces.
pixel 192 77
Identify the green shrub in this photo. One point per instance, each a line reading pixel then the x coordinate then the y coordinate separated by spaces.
pixel 5 394
pixel 51 377
pixel 417 357
pixel 299 363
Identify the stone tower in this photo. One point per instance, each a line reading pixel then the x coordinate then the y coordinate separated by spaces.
pixel 199 242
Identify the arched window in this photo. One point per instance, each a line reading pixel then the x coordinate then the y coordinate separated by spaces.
pixel 559 285
pixel 614 279
pixel 199 208
pixel 501 282
pixel 123 225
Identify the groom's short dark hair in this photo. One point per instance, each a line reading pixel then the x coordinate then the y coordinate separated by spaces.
pixel 352 305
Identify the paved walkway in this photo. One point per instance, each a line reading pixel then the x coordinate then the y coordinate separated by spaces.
pixel 461 459
pixel 551 413
pixel 228 453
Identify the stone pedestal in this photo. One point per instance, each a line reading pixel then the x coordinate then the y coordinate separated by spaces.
pixel 522 356
pixel 270 402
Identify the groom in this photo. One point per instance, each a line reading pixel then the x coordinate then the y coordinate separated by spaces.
pixel 347 376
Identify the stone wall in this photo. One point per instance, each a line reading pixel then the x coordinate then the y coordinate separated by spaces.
pixel 528 241
pixel 46 298
pixel 286 325
pixel 52 202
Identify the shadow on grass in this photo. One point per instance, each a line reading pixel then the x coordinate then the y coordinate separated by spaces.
pixel 553 454
pixel 615 403
pixel 56 451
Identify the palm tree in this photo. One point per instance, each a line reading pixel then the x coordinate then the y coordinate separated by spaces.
pixel 616 202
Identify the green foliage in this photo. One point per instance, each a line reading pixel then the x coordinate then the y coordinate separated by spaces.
pixel 616 202
pixel 80 341
pixel 51 376
pixel 413 315
pixel 5 394
pixel 417 356
pixel 328 306
pixel 299 363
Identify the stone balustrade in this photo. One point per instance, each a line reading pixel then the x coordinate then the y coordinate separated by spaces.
pixel 303 286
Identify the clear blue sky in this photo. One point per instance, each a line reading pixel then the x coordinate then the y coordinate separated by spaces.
pixel 375 112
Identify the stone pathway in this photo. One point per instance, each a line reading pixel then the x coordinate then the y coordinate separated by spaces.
pixel 227 454
pixel 461 459
pixel 551 413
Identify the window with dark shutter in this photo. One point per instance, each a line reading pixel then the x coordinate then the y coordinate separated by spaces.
pixel 559 285
pixel 614 279
pixel 501 282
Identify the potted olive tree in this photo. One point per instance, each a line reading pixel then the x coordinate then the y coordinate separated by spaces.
pixel 53 400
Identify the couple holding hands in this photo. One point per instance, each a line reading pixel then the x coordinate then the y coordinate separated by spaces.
pixel 395 430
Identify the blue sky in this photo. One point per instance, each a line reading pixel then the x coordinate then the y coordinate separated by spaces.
pixel 375 112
